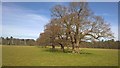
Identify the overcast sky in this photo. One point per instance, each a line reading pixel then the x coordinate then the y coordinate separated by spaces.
pixel 27 19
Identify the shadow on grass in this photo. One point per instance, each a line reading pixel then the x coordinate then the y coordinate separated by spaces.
pixel 53 50
pixel 66 51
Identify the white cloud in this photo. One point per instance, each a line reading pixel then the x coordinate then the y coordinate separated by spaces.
pixel 18 22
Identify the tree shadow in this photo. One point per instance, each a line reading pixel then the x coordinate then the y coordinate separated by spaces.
pixel 81 52
pixel 66 51
pixel 85 53
pixel 53 50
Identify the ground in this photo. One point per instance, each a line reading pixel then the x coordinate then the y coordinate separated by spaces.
pixel 37 56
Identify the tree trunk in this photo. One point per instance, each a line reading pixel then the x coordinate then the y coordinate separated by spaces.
pixel 62 47
pixel 68 47
pixel 73 48
pixel 77 46
pixel 53 47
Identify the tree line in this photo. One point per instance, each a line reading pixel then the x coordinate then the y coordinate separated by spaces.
pixel 16 41
pixel 73 25
pixel 110 44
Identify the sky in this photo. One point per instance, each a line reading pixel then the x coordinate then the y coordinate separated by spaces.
pixel 27 19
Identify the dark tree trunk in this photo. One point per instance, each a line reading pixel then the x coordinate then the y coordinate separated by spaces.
pixel 53 47
pixel 62 47
pixel 73 48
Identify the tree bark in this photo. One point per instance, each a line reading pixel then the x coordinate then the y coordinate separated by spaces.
pixel 53 47
pixel 73 48
pixel 77 46
pixel 62 47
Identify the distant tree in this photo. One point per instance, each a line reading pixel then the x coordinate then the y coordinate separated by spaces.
pixel 7 41
pixel 1 40
pixel 11 40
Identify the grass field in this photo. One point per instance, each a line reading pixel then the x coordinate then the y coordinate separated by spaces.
pixel 36 56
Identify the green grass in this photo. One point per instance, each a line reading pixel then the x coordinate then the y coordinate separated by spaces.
pixel 36 56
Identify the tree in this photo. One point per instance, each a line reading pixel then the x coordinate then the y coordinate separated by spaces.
pixel 43 39
pixel 76 23
pixel 11 40
pixel 55 32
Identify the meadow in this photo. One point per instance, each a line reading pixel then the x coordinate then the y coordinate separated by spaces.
pixel 38 56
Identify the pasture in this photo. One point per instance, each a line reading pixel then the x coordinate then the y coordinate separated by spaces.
pixel 37 56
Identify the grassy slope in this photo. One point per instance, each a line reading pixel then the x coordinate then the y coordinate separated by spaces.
pixel 35 56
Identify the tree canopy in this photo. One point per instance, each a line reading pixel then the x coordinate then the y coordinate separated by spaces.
pixel 70 25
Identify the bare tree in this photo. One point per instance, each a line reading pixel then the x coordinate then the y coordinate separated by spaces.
pixel 76 23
